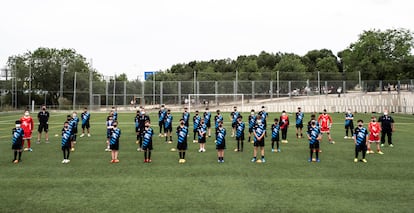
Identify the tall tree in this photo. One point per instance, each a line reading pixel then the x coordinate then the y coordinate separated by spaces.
pixel 378 54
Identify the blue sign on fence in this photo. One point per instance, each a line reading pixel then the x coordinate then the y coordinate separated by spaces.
pixel 149 75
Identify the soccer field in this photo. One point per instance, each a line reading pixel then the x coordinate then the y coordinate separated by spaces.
pixel 285 183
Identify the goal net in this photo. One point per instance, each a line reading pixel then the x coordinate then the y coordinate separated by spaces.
pixel 223 102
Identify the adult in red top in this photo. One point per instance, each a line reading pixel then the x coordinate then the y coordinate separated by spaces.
pixel 284 124
pixel 325 122
pixel 27 125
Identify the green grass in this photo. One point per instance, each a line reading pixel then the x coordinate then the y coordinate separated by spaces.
pixel 285 183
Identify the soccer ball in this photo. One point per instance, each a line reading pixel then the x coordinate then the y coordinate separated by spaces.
pixel 57 135
pixel 173 150
pixel 258 161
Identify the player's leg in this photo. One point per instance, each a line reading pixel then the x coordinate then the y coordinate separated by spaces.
pixel 382 138
pixel 39 133
pixel 254 153
pixel 262 152
pixel 46 129
pixel 389 134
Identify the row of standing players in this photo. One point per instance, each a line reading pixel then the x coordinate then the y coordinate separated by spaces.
pixel 257 131
pixel 25 126
pixel 201 126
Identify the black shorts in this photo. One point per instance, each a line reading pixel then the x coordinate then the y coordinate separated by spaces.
pixel 299 126
pixel 314 145
pixel 361 147
pixel 182 146
pixel 114 146
pixel 233 124
pixel 168 129
pixel 160 123
pixel 75 130
pixel 250 130
pixel 241 138
pixel 202 140
pixel 74 138
pixel 66 146
pixel 276 138
pixel 260 143
pixel 147 146
pixel 43 127
pixel 136 129
pixel 222 145
pixel 208 124
pixel 17 146
pixel 86 125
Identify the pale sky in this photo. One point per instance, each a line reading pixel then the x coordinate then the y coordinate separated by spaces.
pixel 133 36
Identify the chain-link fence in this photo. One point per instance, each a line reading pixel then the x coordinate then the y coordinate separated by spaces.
pixel 77 91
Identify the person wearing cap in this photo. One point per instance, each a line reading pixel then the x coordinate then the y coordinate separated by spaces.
pixel 233 117
pixel 387 127
pixel 349 123
pixel 161 116
pixel 299 123
pixel 27 125
pixel 325 121
pixel 17 141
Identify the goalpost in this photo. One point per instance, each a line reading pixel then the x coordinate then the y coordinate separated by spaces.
pixel 224 102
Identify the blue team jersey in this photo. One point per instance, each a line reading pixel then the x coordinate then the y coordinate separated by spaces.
pixel 161 115
pixel 147 137
pixel 234 116
pixel 259 130
pixel 182 133
pixel 207 117
pixel 17 138
pixel 168 121
pixel 202 129
pixel 217 120
pixel 252 121
pixel 314 133
pixel 240 129
pixel 136 120
pixel 115 116
pixel 186 118
pixel 360 135
pixel 275 130
pixel 264 115
pixel 116 134
pixel 66 136
pixel 196 122
pixel 347 116
pixel 85 117
pixel 220 136
pixel 76 120
pixel 299 118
